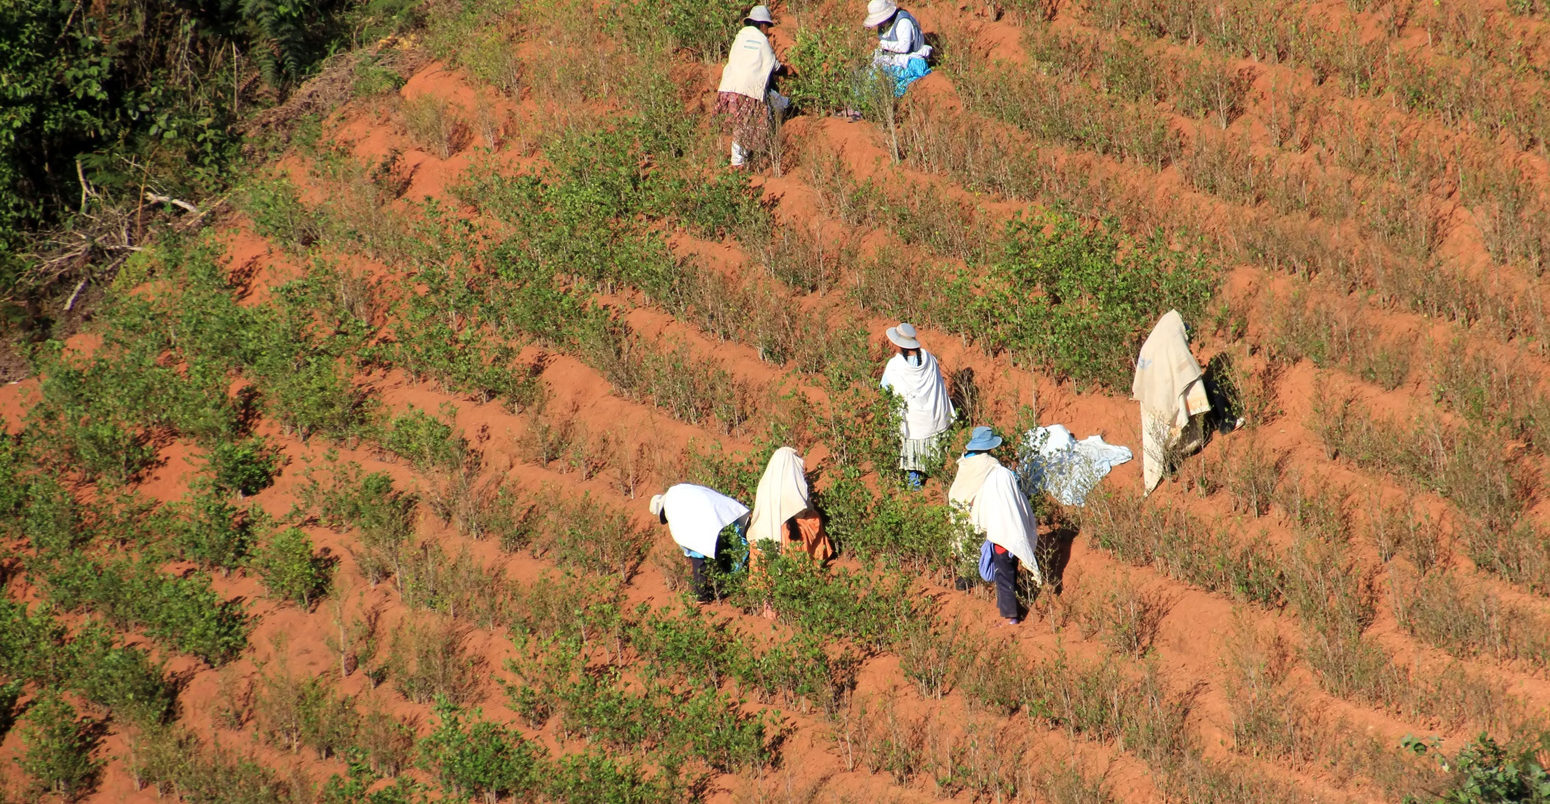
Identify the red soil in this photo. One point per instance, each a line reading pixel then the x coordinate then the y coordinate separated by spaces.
pixel 1189 650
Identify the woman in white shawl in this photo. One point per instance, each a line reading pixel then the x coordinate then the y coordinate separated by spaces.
pixel 996 507
pixel 783 512
pixel 695 517
pixel 914 375
pixel 1168 384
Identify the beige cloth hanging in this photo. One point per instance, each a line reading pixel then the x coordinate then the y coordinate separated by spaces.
pixel 1168 384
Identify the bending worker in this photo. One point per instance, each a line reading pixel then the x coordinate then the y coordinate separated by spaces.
pixel 913 374
pixel 783 513
pixel 707 524
pixel 1170 387
pixel 901 47
pixel 988 492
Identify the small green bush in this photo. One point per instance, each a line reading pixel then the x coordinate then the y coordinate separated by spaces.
pixel 596 777
pixel 384 515
pixel 10 692
pixel 481 758
pixel 1484 772
pixel 587 535
pixel 291 571
pixel 121 677
pixel 832 603
pixel 829 69
pixel 279 214
pixel 213 533
pixel 172 760
pixel 292 711
pixel 51 518
pixel 57 748
pixel 424 441
pixel 702 28
pixel 245 467
pixel 185 611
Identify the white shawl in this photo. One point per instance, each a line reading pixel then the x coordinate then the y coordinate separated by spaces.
pixel 997 508
pixel 1167 373
pixel 696 515
pixel 927 409
pixel 782 494
pixel 750 61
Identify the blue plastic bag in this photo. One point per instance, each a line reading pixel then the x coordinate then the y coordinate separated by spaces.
pixel 987 561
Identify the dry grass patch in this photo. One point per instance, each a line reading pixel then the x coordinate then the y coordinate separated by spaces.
pixel 436 124
pixel 1463 618
pixel 1179 545
pixel 1400 529
pixel 1464 464
pixel 430 658
pixel 1126 616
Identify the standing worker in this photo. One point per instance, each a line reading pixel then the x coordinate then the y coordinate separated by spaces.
pixel 997 508
pixel 1169 386
pixel 913 374
pixel 705 523
pixel 901 46
pixel 745 99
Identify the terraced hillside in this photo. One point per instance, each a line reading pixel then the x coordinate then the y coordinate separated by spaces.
pixel 342 496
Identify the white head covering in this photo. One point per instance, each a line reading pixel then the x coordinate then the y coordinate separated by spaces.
pixel 696 515
pixel 878 12
pixel 1165 369
pixel 782 495
pixel 759 14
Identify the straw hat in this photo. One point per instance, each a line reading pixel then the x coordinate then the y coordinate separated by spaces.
pixel 903 336
pixel 982 439
pixel 878 12
pixel 759 14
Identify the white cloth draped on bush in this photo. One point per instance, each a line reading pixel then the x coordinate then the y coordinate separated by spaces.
pixel 696 515
pixel 1053 460
pixel 782 494
pixel 997 507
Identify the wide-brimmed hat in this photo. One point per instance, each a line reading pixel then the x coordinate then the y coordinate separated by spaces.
pixel 903 336
pixel 759 14
pixel 982 439
pixel 656 505
pixel 878 12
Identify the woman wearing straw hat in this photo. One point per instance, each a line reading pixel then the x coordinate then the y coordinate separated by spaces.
pixel 913 375
pixel 705 523
pixel 901 47
pixel 745 99
pixel 988 493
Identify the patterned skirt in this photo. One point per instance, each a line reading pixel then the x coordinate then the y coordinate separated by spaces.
pixel 746 119
pixel 918 454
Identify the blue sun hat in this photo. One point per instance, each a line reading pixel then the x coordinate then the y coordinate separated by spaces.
pixel 982 439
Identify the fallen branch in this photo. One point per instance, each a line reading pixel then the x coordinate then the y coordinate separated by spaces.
pixel 157 198
pixel 74 294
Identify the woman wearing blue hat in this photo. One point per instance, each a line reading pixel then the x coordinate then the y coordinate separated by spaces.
pixel 913 374
pixel 988 492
